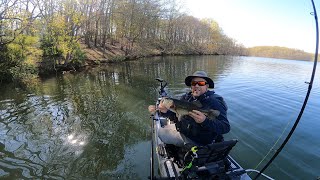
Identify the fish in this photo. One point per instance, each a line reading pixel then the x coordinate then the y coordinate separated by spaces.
pixel 182 108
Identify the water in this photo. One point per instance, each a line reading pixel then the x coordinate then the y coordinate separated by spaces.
pixel 95 124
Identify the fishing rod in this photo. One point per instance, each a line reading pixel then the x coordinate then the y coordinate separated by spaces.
pixel 306 98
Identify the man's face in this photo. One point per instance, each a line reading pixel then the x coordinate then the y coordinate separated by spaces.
pixel 196 88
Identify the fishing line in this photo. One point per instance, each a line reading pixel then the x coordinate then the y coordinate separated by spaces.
pixel 306 98
pixel 273 147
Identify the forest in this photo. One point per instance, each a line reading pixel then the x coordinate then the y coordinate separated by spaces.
pixel 40 37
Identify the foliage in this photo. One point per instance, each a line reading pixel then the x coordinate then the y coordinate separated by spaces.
pixel 25 49
pixel 79 56
pixel 5 64
pixel 16 18
pixel 19 59
pixel 59 43
pixel 24 74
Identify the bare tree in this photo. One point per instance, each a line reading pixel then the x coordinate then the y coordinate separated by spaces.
pixel 16 16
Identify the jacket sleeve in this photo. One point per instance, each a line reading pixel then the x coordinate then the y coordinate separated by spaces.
pixel 220 125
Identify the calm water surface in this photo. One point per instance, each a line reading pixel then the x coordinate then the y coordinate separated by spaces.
pixel 94 124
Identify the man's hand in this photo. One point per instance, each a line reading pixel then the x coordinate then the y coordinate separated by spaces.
pixel 198 116
pixel 152 108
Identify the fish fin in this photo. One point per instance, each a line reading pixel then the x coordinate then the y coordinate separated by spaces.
pixel 213 114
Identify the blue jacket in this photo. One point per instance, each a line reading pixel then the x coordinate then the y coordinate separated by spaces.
pixel 209 130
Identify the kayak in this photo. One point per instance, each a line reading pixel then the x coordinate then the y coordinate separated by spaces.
pixel 170 167
pixel 191 161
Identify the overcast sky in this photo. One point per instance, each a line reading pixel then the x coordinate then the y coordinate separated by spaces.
pixel 285 23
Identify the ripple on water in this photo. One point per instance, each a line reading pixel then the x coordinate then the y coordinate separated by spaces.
pixel 105 118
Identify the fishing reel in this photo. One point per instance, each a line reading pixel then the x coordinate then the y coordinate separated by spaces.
pixel 163 84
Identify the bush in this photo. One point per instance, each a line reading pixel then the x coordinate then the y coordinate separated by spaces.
pixel 19 60
pixel 24 74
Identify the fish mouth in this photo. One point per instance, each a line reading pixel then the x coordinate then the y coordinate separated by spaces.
pixel 168 103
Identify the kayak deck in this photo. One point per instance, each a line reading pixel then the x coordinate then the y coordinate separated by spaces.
pixel 169 167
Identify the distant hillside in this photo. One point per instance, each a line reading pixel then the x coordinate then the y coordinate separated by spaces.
pixel 280 52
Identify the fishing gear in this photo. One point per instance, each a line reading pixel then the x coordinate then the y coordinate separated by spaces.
pixel 162 93
pixel 306 98
pixel 163 84
pixel 151 158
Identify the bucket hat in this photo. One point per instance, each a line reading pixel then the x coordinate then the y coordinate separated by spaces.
pixel 200 74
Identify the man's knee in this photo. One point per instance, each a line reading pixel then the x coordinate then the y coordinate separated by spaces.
pixel 170 136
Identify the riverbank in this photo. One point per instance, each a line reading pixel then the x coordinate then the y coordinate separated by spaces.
pixel 115 53
pixel 90 55
pixel 118 53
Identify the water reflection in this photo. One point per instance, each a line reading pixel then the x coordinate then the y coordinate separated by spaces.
pixel 71 127
pixel 76 140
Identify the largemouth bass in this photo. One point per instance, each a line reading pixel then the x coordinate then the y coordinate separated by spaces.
pixel 182 108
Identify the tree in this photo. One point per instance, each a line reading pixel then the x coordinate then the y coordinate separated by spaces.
pixel 16 41
pixel 16 16
pixel 60 33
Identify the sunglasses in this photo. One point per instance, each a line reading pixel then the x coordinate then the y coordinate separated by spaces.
pixel 200 83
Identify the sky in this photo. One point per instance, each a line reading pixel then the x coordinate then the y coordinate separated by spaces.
pixel 286 23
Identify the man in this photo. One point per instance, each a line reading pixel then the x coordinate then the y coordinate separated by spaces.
pixel 196 128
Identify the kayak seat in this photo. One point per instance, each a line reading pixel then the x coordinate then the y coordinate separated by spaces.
pixel 210 159
pixel 214 152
